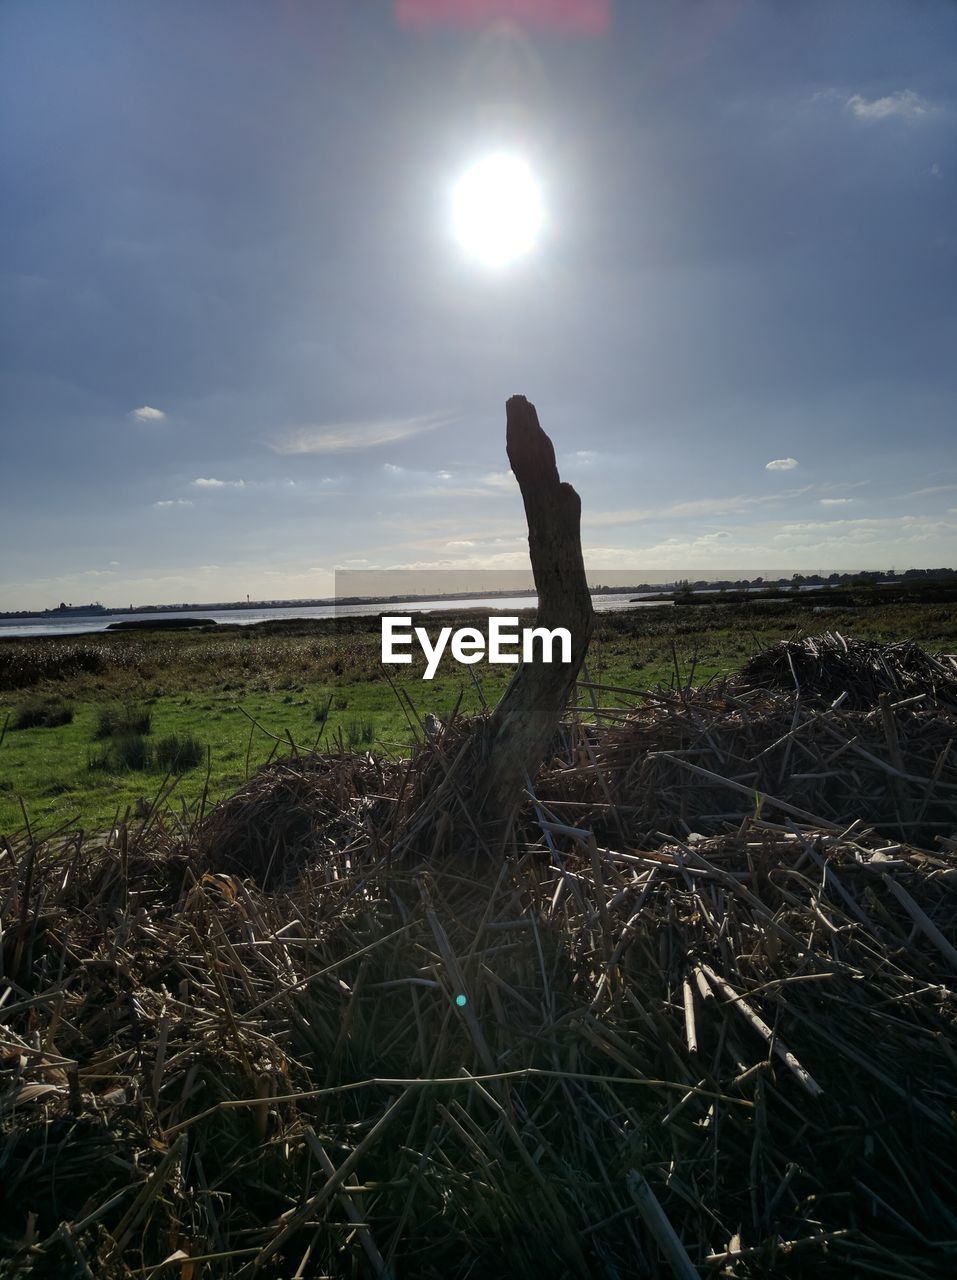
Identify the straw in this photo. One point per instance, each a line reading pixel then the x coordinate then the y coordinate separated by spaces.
pixel 677 1029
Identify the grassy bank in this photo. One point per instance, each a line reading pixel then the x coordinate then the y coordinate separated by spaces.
pixel 218 705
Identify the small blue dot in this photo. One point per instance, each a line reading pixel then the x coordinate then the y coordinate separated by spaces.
pixel 461 1001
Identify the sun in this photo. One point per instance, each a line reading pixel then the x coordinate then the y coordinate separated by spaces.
pixel 497 210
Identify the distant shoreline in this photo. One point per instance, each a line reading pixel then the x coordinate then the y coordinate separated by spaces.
pixel 325 602
pixel 665 589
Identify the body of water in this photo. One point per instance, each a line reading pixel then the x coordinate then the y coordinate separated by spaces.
pixel 78 624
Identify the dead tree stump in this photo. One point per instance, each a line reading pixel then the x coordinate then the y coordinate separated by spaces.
pixel 495 764
pixel 524 722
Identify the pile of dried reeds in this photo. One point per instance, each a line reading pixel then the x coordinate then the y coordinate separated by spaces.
pixel 825 730
pixel 297 1041
pixel 858 672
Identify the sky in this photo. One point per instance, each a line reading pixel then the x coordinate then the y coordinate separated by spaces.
pixel 242 346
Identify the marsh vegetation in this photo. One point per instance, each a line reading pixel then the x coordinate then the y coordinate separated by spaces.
pixel 94 725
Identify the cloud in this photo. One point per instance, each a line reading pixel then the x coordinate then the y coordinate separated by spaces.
pixel 890 533
pixel 905 104
pixel 173 502
pixel 349 437
pixel 439 484
pixel 146 413
pixel 495 484
pixel 499 480
pixel 835 502
pixel 808 544
pixel 934 488
pixel 211 483
pixel 737 505
pixel 781 464
pixel 844 485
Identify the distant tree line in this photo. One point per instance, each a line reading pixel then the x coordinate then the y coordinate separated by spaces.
pixel 861 578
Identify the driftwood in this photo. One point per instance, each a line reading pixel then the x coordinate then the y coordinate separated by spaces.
pixel 527 715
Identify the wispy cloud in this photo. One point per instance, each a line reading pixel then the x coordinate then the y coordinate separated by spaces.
pixel 737 505
pixel 209 482
pixel 486 487
pixel 843 485
pixel 350 437
pixel 905 529
pixel 499 480
pixel 934 488
pixel 173 502
pixel 450 484
pixel 146 413
pixel 835 502
pixel 905 104
pixel 820 543
pixel 781 464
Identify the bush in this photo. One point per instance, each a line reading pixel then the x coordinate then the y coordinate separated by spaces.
pixel 42 713
pixel 127 752
pixel 360 733
pixel 118 722
pixel 131 751
pixel 178 752
pixel 22 665
pixel 100 761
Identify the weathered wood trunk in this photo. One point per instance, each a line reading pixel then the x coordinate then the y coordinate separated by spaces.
pixel 527 716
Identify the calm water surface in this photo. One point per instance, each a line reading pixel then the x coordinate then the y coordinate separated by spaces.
pixel 77 624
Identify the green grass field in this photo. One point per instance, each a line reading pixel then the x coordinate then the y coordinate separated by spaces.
pixel 244 695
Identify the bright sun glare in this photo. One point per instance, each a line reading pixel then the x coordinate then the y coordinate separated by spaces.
pixel 497 210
